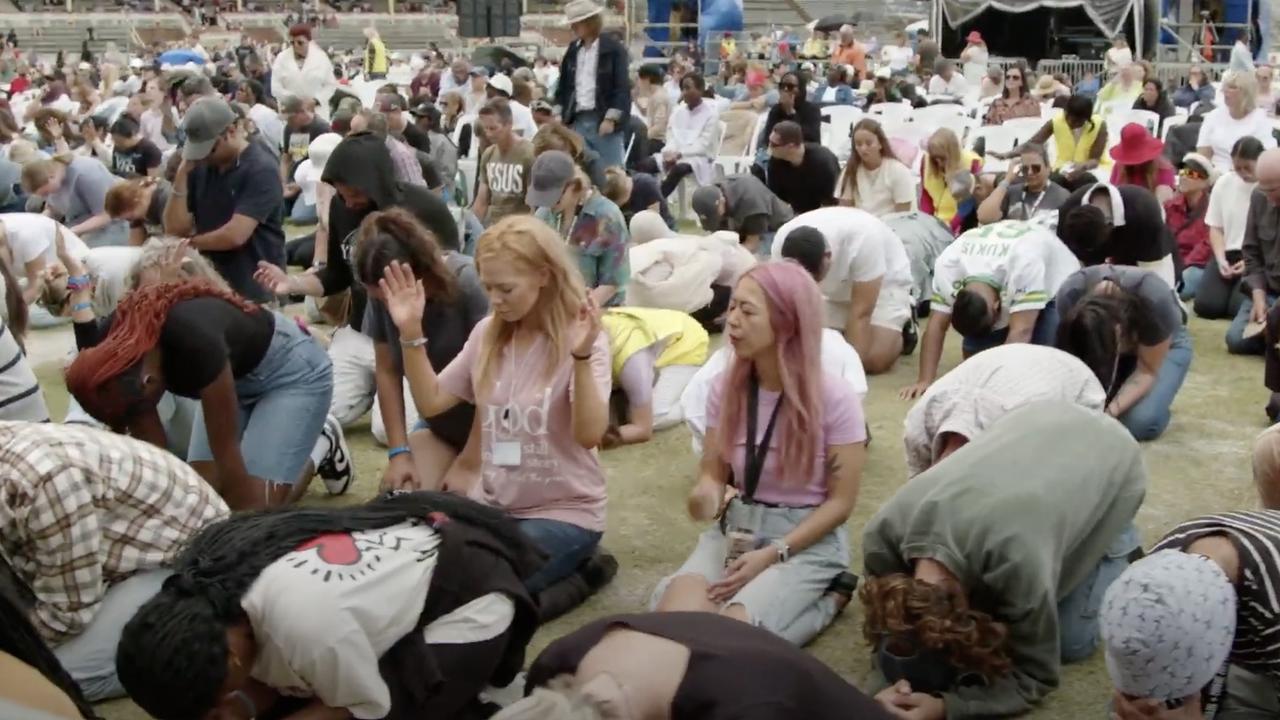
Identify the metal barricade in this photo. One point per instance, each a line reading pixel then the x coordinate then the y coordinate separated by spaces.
pixel 1174 75
pixel 1074 68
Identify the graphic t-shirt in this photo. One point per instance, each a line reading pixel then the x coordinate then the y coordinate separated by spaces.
pixel 298 142
pixel 1024 261
pixel 553 477
pixel 507 177
pixel 137 160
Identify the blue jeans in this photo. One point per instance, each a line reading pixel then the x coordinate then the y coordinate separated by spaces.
pixel 302 213
pixel 567 546
pixel 1237 344
pixel 609 147
pixel 1191 277
pixel 1044 333
pixel 1078 610
pixel 1149 417
pixel 283 405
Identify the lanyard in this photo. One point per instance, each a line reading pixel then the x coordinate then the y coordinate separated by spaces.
pixel 755 457
pixel 1026 214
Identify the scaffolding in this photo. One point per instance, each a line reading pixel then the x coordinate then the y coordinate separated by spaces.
pixel 1188 34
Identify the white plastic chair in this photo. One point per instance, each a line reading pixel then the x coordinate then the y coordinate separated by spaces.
pixel 937 115
pixel 840 120
pixel 464 121
pixel 999 139
pixel 1145 118
pixel 1024 127
pixel 890 111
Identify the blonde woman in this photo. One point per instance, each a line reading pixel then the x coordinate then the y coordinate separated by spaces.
pixel 538 370
pixel 875 180
pixel 947 181
pixel 1237 117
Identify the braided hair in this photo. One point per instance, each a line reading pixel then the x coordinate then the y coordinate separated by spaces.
pixel 135 330
pixel 19 638
pixel 172 656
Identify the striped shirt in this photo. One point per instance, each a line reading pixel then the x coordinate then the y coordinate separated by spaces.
pixel 1256 536
pixel 20 396
pixel 82 509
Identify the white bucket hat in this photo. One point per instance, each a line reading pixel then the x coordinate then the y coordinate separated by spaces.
pixel 579 10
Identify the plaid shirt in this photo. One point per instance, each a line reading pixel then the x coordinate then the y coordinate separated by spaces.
pixel 404 162
pixel 82 509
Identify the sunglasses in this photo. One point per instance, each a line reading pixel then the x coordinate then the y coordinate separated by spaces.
pixel 1192 173
pixel 1030 170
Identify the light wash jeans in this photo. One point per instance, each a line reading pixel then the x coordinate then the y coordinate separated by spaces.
pixel 90 657
pixel 302 213
pixel 1149 417
pixel 1078 610
pixel 609 147
pixel 1237 344
pixel 283 405
pixel 1191 277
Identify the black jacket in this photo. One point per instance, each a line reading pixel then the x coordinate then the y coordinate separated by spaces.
pixel 613 87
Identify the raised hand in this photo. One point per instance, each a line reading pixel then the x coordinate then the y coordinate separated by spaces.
pixel 404 297
pixel 272 277
pixel 587 328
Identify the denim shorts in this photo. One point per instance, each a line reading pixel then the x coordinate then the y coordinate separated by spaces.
pixel 283 405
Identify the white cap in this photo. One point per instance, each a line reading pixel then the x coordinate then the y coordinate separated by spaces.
pixel 501 82
pixel 136 63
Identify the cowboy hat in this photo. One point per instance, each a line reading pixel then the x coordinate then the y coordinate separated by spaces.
pixel 1136 146
pixel 579 10
pixel 1045 86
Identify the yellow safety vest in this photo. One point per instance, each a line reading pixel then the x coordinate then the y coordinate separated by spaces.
pixel 935 183
pixel 1068 150
pixel 632 329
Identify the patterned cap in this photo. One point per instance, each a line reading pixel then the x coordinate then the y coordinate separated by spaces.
pixel 1168 624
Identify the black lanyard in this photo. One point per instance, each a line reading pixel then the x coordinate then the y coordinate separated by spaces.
pixel 754 463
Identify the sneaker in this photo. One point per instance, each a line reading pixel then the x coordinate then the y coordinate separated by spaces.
pixel 909 338
pixel 599 569
pixel 337 470
pixel 844 586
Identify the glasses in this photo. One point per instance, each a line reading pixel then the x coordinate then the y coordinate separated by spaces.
pixel 1031 170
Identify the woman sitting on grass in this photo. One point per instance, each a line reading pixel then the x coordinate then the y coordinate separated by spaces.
pixel 405 607
pixel 983 579
pixel 792 439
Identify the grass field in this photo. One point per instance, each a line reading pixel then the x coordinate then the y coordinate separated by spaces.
pixel 1200 465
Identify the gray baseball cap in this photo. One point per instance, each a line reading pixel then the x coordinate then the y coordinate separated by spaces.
pixel 706 205
pixel 551 172
pixel 206 119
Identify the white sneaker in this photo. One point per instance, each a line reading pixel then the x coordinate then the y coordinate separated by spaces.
pixel 337 470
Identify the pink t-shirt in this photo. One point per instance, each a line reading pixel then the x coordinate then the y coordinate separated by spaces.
pixel 557 478
pixel 842 424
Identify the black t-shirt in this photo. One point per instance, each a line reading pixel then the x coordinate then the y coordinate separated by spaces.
pixel 1142 238
pixel 447 324
pixel 137 160
pixel 297 143
pixel 198 338
pixel 251 187
pixel 809 185
pixel 736 671
pixel 416 138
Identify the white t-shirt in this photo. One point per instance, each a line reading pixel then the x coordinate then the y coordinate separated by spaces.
pixel 838 359
pixel 957 86
pixel 323 614
pixel 897 57
pixel 877 191
pixel 862 249
pixel 522 120
pixel 1024 260
pixel 1220 131
pixel 1229 208
pixel 31 235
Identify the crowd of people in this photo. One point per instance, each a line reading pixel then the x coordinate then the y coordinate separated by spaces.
pixel 509 323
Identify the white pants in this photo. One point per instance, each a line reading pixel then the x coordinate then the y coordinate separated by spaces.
pixel 354 383
pixel 667 388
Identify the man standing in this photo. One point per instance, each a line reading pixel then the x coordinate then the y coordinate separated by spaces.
pixel 505 166
pixel 801 174
pixel 375 55
pixel 849 51
pixel 1261 260
pixel 743 204
pixel 227 197
pixel 692 135
pixel 88 519
pixel 306 72
pixel 594 92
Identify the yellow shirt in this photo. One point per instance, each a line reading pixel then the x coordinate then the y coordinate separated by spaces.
pixel 375 57
pixel 632 329
pixel 935 183
pixel 1071 151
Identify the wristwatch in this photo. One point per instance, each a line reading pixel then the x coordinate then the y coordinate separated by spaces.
pixel 784 550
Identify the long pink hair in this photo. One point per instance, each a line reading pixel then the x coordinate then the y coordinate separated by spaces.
pixel 795 315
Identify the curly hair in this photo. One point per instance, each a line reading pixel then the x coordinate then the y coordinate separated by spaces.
pixel 396 235
pixel 940 619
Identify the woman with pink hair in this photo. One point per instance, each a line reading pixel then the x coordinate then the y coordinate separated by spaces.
pixel 790 441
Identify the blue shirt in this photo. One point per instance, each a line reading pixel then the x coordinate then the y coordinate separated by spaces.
pixel 250 187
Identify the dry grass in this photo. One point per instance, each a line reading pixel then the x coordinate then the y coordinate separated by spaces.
pixel 1200 465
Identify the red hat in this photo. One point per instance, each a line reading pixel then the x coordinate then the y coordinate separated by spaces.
pixel 300 30
pixel 974 37
pixel 1136 146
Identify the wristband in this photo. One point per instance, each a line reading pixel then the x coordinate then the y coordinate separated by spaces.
pixel 398 450
pixel 580 358
pixel 78 282
pixel 414 343
pixel 81 306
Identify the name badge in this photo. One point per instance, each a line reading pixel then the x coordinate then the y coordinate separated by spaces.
pixel 506 453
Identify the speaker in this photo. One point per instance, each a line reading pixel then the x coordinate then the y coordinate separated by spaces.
pixel 489 18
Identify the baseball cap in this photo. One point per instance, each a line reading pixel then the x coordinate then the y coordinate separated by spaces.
pixel 392 102
pixel 320 149
pixel 426 109
pixel 206 119
pixel 541 106
pixel 551 172
pixel 501 83
pixel 706 204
